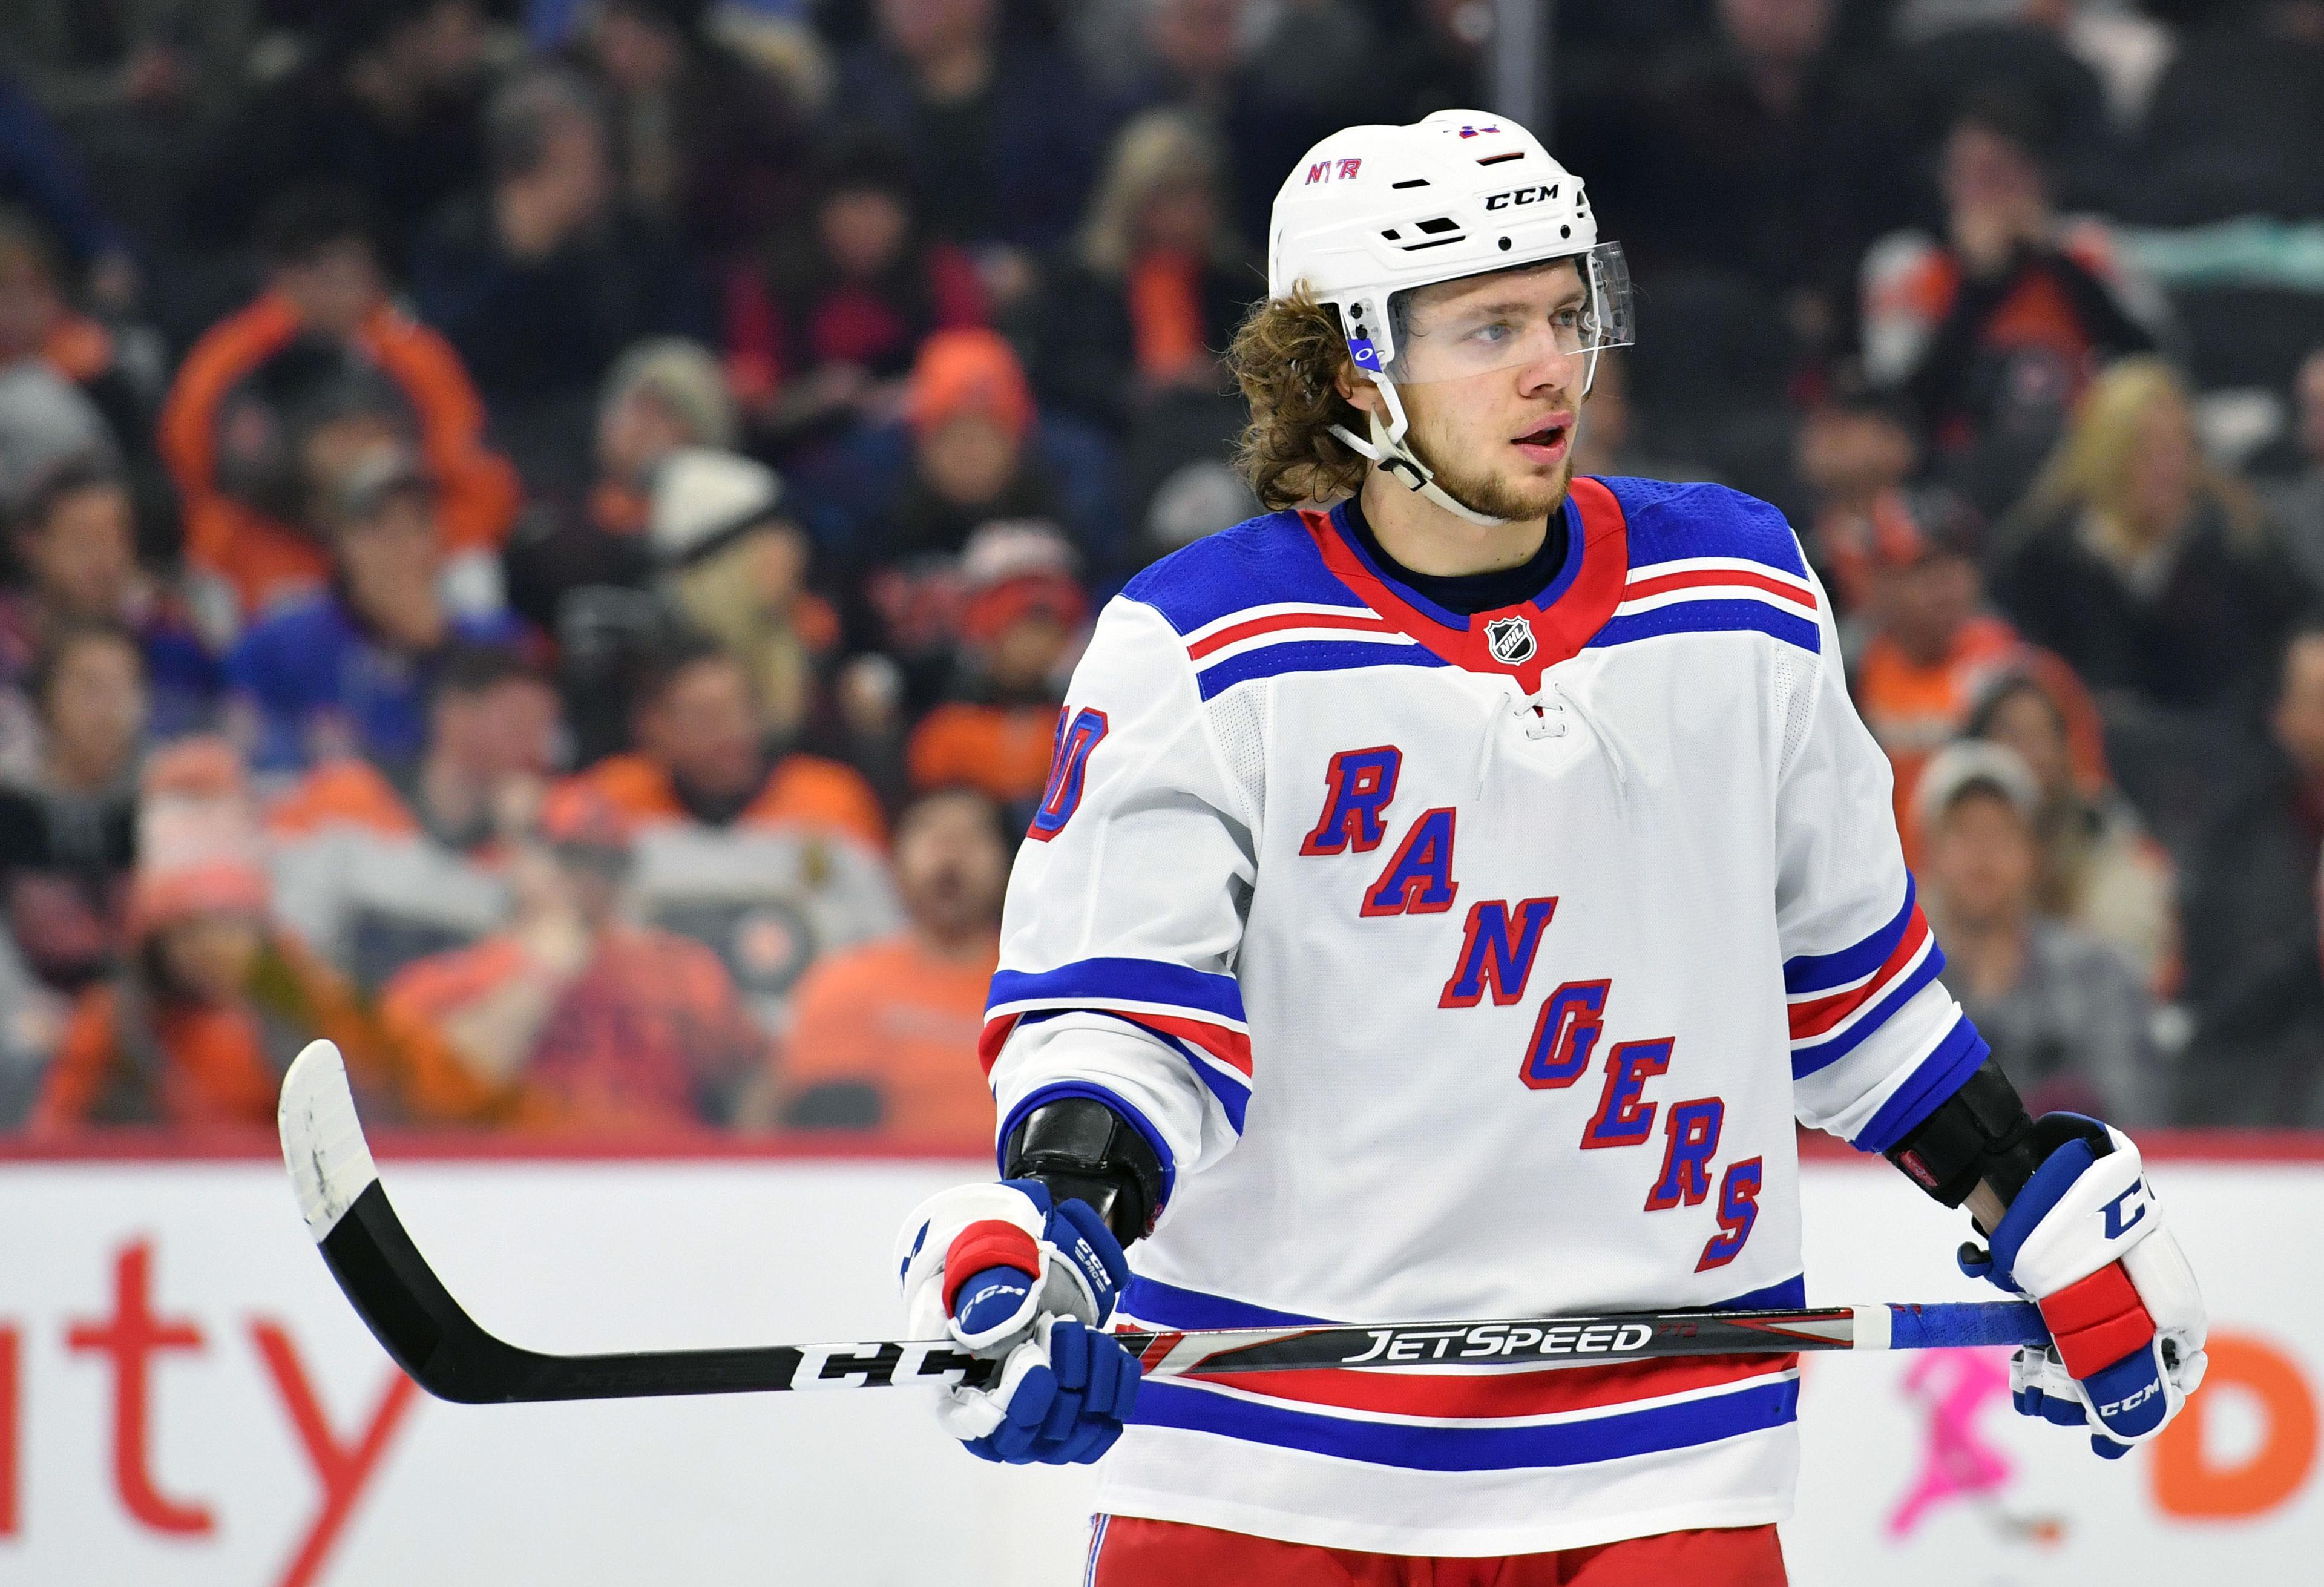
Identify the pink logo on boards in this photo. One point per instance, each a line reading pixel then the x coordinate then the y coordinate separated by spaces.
pixel 1957 1463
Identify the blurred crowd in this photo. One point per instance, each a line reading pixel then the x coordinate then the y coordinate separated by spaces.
pixel 546 538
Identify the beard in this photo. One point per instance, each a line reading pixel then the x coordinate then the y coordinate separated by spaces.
pixel 1505 493
pixel 1498 496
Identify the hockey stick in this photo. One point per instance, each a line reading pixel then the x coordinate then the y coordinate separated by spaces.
pixel 395 1292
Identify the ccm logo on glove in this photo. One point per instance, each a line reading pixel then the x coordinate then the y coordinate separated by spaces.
pixel 2085 1239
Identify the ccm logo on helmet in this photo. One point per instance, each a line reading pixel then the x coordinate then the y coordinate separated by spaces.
pixel 1516 196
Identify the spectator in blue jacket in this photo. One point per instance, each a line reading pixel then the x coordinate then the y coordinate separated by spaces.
pixel 347 672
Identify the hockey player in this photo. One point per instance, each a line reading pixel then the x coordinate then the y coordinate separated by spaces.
pixel 1443 905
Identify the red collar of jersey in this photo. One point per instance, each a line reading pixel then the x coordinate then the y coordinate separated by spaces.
pixel 1560 628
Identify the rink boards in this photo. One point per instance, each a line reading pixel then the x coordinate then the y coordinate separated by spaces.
pixel 184 1399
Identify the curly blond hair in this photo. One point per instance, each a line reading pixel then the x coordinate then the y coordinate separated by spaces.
pixel 1288 356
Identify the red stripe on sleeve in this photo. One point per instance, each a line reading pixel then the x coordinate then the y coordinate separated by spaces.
pixel 1230 1048
pixel 1818 1015
pixel 990 1040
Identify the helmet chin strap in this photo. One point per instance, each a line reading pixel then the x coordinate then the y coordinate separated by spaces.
pixel 1387 448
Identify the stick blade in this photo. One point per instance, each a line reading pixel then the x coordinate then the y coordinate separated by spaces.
pixel 322 1138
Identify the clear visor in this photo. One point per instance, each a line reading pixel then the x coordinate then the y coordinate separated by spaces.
pixel 1567 309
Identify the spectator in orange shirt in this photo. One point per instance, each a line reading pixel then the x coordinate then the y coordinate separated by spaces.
pixel 325 289
pixel 770 860
pixel 701 756
pixel 608 1024
pixel 1021 632
pixel 1155 281
pixel 199 1028
pixel 1931 644
pixel 885 1034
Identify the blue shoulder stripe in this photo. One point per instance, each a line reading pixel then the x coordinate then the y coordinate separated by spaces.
pixel 1261 562
pixel 1308 656
pixel 1669 523
pixel 1710 616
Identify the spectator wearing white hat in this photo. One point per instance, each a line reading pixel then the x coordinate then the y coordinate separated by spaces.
pixel 2067 1014
pixel 732 563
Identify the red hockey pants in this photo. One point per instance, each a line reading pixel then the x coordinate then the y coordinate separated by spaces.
pixel 1131 1552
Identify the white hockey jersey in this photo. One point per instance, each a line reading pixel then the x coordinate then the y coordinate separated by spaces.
pixel 1466 967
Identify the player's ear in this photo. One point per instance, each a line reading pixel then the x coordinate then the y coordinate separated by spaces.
pixel 1360 392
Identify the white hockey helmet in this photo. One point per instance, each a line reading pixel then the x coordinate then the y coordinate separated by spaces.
pixel 1373 212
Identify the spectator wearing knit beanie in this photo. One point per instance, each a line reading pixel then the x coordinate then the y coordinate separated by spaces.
pixel 969 409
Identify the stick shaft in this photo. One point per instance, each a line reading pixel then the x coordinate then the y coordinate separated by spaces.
pixel 395 1291
pixel 432 1337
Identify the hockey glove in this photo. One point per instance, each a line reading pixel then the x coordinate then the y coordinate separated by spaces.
pixel 1018 1279
pixel 2085 1241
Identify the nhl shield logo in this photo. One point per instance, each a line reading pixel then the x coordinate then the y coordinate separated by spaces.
pixel 1511 639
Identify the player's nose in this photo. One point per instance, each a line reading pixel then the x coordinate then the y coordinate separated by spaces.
pixel 1554 373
